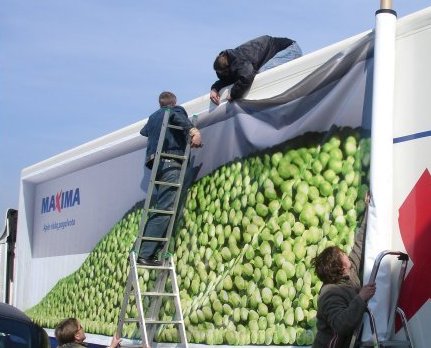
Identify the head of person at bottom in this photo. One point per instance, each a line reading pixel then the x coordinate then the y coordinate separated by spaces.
pixel 167 99
pixel 332 265
pixel 69 331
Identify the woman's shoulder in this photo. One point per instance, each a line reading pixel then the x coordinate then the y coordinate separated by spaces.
pixel 328 288
pixel 331 289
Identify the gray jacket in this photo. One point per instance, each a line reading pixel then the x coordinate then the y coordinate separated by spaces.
pixel 339 307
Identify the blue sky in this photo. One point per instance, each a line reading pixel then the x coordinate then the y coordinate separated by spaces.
pixel 74 70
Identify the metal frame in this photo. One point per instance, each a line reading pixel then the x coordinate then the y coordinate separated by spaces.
pixel 386 341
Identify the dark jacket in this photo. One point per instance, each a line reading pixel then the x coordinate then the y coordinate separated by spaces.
pixel 339 307
pixel 175 140
pixel 246 60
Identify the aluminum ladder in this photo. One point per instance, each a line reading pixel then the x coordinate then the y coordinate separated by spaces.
pixel 148 321
pixel 387 340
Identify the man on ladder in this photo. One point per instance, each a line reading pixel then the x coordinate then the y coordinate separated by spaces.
pixel 168 170
pixel 170 137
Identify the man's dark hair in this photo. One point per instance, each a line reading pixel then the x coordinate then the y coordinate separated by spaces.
pixel 167 99
pixel 221 64
pixel 329 266
pixel 65 331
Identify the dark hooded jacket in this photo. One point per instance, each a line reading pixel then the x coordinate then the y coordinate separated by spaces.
pixel 246 60
pixel 175 139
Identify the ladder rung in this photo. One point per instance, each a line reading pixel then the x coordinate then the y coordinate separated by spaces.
pixel 152 321
pixel 165 183
pixel 175 127
pixel 153 293
pixel 158 211
pixel 131 345
pixel 390 343
pixel 131 320
pixel 155 239
pixel 171 155
pixel 154 267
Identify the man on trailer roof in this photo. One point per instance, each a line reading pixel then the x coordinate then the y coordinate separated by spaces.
pixel 240 65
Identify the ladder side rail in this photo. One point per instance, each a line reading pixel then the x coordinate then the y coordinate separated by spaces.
pixel 138 299
pixel 372 279
pixel 372 321
pixel 356 334
pixel 401 275
pixel 150 188
pixel 153 321
pixel 184 166
pixel 122 315
pixel 356 342
pixel 356 337
pixel 156 303
pixel 178 196
pixel 161 282
pixel 178 310
pixel 177 302
pixel 405 326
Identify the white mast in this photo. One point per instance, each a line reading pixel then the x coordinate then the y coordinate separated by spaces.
pixel 380 222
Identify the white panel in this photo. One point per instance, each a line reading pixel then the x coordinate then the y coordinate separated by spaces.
pixel 412 137
pixel 107 191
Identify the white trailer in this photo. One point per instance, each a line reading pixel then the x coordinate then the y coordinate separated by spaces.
pixel 68 203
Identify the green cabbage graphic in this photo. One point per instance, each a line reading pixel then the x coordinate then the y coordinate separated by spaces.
pixel 242 249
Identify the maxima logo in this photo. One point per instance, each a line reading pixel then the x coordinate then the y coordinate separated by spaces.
pixel 61 200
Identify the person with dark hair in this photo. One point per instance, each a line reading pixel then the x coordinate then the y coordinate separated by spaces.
pixel 342 301
pixel 70 334
pixel 240 65
pixel 168 170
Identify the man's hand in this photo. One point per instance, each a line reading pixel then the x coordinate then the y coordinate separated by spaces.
pixel 115 341
pixel 196 140
pixel 215 97
pixel 367 291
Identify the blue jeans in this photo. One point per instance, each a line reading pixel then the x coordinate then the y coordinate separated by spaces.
pixel 284 56
pixel 163 199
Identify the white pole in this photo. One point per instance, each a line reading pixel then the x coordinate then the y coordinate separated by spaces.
pixel 380 226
